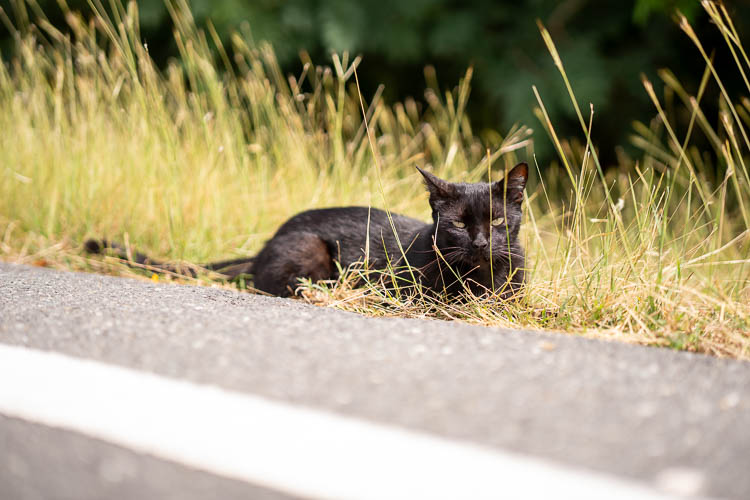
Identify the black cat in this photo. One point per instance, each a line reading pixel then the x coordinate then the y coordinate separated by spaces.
pixel 471 244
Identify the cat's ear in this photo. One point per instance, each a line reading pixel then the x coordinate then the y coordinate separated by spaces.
pixel 437 187
pixel 513 185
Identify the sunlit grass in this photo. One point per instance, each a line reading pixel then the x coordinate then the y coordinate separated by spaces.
pixel 205 159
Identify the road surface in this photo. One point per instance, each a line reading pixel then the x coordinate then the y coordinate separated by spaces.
pixel 561 412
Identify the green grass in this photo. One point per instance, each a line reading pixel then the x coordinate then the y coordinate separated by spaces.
pixel 205 159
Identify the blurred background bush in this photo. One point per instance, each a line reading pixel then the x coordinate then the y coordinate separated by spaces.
pixel 604 46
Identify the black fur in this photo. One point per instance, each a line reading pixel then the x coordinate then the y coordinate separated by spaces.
pixel 440 255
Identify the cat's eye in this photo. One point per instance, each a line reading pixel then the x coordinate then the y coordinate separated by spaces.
pixel 459 224
pixel 498 221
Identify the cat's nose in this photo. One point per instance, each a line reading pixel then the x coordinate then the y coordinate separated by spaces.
pixel 480 243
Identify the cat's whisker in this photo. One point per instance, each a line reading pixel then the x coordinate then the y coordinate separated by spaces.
pixel 507 256
pixel 448 258
pixel 442 250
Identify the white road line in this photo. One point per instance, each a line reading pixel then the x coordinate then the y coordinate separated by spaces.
pixel 284 447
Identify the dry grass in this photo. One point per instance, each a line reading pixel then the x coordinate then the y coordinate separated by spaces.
pixel 207 158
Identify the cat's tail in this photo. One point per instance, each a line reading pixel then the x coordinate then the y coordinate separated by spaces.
pixel 230 268
pixel 100 246
pixel 233 267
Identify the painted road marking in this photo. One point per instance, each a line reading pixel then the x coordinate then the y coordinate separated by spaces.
pixel 277 445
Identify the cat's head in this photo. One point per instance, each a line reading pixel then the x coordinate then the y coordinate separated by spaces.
pixel 469 228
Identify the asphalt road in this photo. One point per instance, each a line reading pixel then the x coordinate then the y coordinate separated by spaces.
pixel 666 419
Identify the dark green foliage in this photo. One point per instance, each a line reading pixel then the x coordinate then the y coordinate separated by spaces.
pixel 604 46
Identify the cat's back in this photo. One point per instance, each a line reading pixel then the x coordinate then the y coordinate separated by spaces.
pixel 338 222
pixel 349 232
